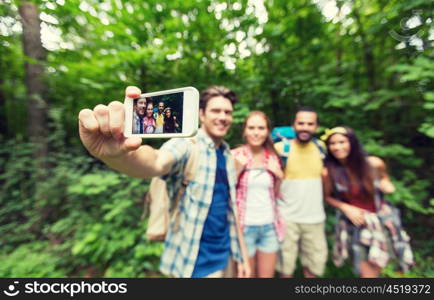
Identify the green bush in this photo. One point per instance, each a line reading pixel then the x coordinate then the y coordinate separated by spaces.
pixel 90 215
pixel 34 259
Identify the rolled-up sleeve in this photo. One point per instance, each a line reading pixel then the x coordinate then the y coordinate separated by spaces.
pixel 180 149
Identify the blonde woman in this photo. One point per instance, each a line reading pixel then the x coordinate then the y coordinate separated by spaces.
pixel 259 174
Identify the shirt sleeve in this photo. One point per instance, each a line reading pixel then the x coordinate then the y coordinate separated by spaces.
pixel 180 149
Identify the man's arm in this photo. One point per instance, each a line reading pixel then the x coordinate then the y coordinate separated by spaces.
pixel 243 267
pixel 101 131
pixel 144 162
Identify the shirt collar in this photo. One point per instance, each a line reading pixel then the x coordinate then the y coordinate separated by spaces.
pixel 203 136
pixel 136 116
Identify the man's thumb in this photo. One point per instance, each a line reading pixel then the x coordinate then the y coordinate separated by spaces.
pixel 132 143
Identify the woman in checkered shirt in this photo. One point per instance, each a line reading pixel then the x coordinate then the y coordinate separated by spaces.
pixel 259 174
pixel 368 228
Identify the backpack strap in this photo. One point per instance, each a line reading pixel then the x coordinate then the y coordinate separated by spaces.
pixel 320 147
pixel 189 173
pixel 285 150
pixel 192 162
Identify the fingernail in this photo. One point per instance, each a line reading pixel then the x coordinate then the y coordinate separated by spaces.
pixel 83 124
pixel 132 92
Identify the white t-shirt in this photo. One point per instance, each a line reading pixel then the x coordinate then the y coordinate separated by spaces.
pixel 259 209
pixel 302 201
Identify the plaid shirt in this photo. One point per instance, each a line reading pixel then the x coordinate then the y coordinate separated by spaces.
pixel 373 236
pixel 136 123
pixel 181 246
pixel 242 187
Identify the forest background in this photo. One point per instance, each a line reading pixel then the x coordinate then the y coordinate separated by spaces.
pixel 366 64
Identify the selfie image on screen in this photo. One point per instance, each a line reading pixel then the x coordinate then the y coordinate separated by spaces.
pixel 158 114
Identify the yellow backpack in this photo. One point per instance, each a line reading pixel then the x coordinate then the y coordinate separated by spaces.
pixel 158 203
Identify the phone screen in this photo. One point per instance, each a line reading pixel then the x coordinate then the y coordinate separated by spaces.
pixel 158 114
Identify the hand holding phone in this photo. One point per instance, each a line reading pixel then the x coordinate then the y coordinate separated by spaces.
pixel 101 129
pixel 107 131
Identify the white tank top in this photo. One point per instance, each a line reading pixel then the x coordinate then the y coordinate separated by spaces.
pixel 259 209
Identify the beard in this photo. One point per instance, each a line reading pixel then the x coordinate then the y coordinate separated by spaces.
pixel 305 139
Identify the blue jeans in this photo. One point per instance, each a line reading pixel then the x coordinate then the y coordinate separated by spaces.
pixel 260 237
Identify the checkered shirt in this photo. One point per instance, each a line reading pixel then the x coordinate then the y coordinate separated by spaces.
pixel 182 242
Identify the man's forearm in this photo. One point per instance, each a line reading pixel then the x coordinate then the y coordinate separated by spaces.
pixel 141 163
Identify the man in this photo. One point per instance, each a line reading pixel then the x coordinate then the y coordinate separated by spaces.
pixel 159 118
pixel 139 106
pixel 208 233
pixel 302 200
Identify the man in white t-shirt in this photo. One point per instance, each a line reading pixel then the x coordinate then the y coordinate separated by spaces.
pixel 301 205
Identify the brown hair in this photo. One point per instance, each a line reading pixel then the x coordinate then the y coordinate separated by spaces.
pixel 216 91
pixel 357 164
pixel 135 100
pixel 268 143
pixel 306 109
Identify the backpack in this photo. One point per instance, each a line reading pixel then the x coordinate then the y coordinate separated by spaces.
pixel 158 203
pixel 285 134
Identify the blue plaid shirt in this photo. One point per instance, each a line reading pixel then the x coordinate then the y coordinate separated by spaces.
pixel 137 123
pixel 182 246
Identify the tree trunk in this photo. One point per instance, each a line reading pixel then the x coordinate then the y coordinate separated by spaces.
pixel 36 106
pixel 36 88
pixel 368 53
pixel 339 50
pixel 143 79
pixel 3 115
pixel 273 92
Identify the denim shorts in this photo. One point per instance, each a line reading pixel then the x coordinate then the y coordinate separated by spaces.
pixel 260 237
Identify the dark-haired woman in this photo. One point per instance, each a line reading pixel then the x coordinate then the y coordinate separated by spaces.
pixel 170 124
pixel 368 228
pixel 149 121
pixel 259 175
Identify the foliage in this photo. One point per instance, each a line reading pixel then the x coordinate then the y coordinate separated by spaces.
pixel 368 64
pixel 88 219
pixel 111 237
pixel 91 218
pixel 33 259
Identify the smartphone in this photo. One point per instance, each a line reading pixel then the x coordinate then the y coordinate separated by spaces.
pixel 163 114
